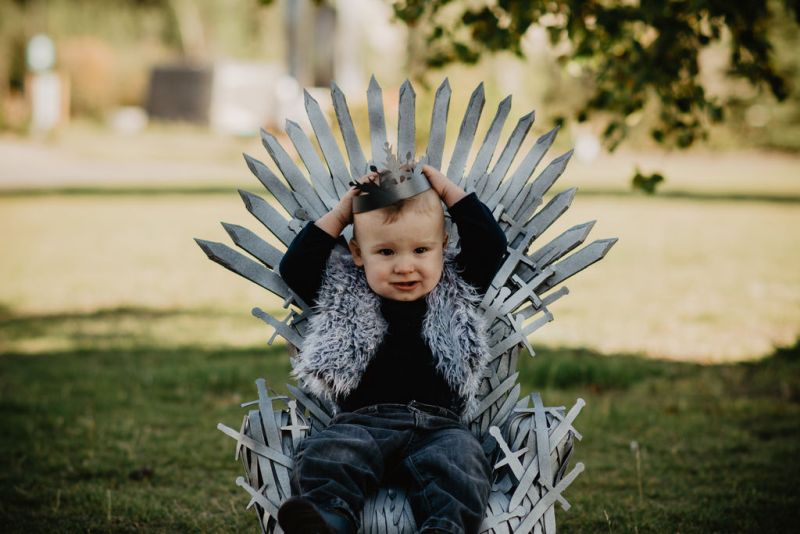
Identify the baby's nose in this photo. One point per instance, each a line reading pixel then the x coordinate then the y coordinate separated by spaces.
pixel 403 266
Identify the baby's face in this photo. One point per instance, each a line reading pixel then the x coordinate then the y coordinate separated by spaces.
pixel 402 259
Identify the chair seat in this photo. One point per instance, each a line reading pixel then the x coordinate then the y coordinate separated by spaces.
pixel 525 487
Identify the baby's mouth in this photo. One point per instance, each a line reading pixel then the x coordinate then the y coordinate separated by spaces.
pixel 405 285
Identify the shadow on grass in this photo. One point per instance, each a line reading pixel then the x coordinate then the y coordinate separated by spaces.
pixel 552 368
pixel 570 368
pixel 10 319
pixel 125 328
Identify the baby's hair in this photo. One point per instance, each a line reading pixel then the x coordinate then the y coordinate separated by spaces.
pixel 422 203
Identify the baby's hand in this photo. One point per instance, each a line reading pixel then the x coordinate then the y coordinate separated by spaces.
pixel 448 191
pixel 341 215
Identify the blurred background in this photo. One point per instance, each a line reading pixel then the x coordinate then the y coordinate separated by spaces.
pixel 122 128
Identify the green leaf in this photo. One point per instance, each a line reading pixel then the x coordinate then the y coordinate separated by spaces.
pixel 646 184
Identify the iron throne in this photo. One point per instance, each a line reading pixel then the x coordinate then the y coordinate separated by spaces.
pixel 530 444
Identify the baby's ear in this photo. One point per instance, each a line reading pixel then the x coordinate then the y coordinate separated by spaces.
pixel 444 243
pixel 355 251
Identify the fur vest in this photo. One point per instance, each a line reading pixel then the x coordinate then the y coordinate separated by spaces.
pixel 347 328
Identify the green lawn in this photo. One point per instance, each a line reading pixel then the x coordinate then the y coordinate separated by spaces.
pixel 124 440
pixel 122 347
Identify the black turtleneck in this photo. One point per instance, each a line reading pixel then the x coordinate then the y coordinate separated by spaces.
pixel 403 367
pixel 402 370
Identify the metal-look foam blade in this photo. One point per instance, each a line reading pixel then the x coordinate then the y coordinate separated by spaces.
pixel 507 156
pixel 302 188
pixel 495 395
pixel 550 174
pixel 507 407
pixel 578 261
pixel 466 134
pixel 377 122
pixel 537 188
pixel 557 248
pixel 358 163
pixel 330 150
pixel 310 404
pixel 524 203
pixel 255 446
pixel 486 151
pixel 273 184
pixel 268 216
pixel 249 241
pixel 547 215
pixel 512 187
pixel 245 267
pixel 289 332
pixel 441 105
pixel 318 172
pixel 406 123
pixel 271 430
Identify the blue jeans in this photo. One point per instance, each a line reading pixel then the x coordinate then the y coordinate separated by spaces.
pixel 422 448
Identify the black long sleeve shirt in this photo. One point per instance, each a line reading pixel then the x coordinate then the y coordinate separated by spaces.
pixel 403 368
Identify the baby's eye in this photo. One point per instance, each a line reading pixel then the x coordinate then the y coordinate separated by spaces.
pixel 421 250
pixel 385 252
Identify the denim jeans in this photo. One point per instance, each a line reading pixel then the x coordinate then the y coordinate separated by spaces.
pixel 422 448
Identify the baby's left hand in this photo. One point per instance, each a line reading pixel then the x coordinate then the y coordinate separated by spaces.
pixel 448 191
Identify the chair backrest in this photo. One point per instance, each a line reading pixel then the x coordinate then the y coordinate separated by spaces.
pixel 516 305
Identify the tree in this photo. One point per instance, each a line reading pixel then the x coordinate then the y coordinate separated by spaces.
pixel 633 52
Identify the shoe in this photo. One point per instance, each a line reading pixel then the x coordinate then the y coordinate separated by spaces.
pixel 300 516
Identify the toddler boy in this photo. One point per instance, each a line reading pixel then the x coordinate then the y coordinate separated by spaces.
pixel 396 342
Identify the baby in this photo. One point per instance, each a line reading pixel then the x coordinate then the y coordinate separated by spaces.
pixel 397 344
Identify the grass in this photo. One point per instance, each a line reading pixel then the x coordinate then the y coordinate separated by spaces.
pixel 124 440
pixel 688 279
pixel 719 444
pixel 121 347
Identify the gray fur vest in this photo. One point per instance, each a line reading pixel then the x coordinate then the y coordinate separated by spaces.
pixel 347 328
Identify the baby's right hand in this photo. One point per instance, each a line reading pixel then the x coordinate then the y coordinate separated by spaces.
pixel 344 209
pixel 336 220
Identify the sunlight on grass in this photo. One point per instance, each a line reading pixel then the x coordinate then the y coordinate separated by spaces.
pixel 696 171
pixel 89 253
pixel 693 280
pixel 687 279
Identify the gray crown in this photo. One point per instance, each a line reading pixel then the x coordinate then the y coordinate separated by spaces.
pixel 398 181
